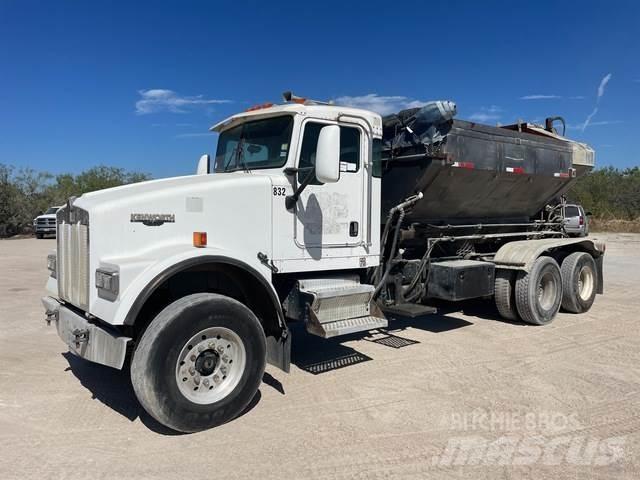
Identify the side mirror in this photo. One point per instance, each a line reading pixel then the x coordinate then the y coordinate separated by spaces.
pixel 203 165
pixel 328 154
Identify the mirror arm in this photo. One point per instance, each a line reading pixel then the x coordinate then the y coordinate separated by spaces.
pixel 291 200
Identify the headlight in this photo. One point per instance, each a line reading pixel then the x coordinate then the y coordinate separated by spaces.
pixel 107 283
pixel 52 264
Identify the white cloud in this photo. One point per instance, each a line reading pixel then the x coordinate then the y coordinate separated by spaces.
pixel 540 97
pixel 163 100
pixel 603 84
pixel 588 119
pixel 492 113
pixel 601 88
pixel 195 134
pixel 383 105
pixel 550 97
pixel 600 123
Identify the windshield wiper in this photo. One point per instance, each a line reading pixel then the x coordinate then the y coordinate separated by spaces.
pixel 238 156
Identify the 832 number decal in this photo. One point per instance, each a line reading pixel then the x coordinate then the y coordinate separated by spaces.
pixel 279 191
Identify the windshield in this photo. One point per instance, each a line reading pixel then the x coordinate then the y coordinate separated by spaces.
pixel 254 145
pixel 51 211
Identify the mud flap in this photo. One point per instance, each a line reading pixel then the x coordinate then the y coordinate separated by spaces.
pixel 279 352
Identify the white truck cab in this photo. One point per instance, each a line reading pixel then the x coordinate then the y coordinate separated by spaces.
pixel 196 277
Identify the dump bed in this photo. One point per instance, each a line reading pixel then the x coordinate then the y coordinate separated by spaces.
pixel 473 173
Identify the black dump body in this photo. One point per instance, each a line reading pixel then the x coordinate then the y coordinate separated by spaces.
pixel 474 173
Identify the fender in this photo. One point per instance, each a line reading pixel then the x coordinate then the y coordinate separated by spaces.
pixel 146 292
pixel 521 254
pixel 278 349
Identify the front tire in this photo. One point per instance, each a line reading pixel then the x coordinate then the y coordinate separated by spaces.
pixel 539 292
pixel 199 363
pixel 579 280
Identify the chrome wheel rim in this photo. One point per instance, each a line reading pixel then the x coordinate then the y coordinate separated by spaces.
pixel 586 283
pixel 547 291
pixel 210 365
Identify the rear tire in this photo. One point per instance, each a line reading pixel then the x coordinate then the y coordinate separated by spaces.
pixel 579 282
pixel 504 294
pixel 539 292
pixel 199 363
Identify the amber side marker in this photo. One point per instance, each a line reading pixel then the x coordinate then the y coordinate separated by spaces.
pixel 199 239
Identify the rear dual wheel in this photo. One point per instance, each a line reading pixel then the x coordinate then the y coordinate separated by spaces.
pixel 579 282
pixel 538 293
pixel 504 294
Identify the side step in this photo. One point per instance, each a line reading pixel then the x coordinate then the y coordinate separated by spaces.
pixel 333 306
pixel 344 327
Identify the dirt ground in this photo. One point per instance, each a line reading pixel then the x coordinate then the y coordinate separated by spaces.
pixel 459 394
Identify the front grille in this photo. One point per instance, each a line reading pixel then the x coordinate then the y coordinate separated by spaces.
pixel 47 221
pixel 73 256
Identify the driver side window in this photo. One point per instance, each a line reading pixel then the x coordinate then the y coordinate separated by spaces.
pixel 349 150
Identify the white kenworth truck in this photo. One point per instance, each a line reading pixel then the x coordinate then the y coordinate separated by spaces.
pixel 315 213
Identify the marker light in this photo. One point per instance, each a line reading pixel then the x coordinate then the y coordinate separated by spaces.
pixel 200 239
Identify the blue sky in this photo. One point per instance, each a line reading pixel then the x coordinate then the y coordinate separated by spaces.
pixel 137 84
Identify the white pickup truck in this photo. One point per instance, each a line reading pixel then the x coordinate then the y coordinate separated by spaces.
pixel 45 224
pixel 196 277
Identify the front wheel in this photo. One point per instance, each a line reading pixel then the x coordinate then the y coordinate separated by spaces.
pixel 199 363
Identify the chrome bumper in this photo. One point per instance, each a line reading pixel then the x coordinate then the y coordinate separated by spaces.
pixel 85 339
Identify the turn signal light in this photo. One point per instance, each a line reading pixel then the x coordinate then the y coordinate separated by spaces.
pixel 199 239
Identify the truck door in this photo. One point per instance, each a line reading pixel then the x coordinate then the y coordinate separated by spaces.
pixel 330 216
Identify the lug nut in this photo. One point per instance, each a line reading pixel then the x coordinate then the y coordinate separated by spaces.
pixel 223 369
pixel 196 379
pixel 225 358
pixel 216 378
pixel 192 370
pixel 192 358
pixel 205 382
pixel 212 345
pixel 220 349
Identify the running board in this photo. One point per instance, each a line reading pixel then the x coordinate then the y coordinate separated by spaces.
pixel 334 305
pixel 346 326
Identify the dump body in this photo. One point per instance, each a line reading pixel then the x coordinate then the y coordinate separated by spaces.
pixel 478 173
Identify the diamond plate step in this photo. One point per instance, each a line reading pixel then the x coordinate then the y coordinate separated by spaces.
pixel 337 298
pixel 346 326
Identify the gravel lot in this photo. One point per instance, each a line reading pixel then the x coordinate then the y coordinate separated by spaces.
pixel 560 401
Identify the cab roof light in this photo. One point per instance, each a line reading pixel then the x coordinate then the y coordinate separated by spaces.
pixel 259 106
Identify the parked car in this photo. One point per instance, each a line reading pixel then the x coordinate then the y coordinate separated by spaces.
pixel 46 223
pixel 576 220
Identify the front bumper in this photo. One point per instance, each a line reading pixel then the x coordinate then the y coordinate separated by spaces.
pixel 85 339
pixel 41 229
